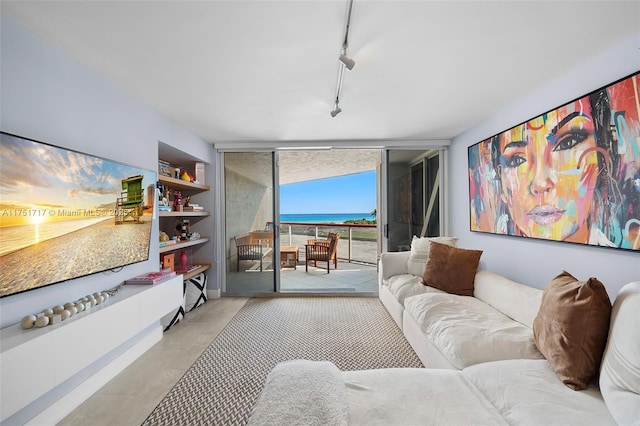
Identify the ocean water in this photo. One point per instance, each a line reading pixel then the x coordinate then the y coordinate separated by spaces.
pixel 21 236
pixel 324 217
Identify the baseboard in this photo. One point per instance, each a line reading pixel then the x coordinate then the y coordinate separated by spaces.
pixel 72 399
pixel 214 294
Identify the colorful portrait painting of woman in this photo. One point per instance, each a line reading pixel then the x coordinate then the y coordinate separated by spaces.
pixel 571 174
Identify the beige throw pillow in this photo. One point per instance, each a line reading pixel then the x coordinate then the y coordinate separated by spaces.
pixel 571 328
pixel 420 252
pixel 451 269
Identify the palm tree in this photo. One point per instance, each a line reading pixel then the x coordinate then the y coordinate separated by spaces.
pixel 373 213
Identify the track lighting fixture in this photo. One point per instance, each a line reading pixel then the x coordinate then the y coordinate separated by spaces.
pixel 336 110
pixel 345 62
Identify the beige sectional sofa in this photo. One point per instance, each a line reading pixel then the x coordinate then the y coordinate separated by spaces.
pixel 513 391
pixel 451 331
pixel 490 338
pixel 483 365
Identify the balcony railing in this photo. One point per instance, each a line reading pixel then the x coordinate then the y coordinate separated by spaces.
pixel 358 242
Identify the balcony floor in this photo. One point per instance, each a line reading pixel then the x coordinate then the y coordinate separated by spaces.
pixel 353 278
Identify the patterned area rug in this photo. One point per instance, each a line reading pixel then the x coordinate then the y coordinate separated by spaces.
pixel 223 384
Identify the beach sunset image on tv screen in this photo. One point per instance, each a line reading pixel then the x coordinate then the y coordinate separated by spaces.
pixel 64 214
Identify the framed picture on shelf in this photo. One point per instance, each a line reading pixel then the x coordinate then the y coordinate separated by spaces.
pixel 165 169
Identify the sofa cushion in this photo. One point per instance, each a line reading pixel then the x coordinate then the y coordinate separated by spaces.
pixel 527 392
pixel 620 373
pixel 518 301
pixel 420 252
pixel 415 396
pixel 571 328
pixel 451 269
pixel 467 331
pixel 407 285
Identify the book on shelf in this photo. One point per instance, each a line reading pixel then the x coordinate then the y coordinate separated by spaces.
pixel 167 243
pixel 192 208
pixel 152 277
pixel 187 269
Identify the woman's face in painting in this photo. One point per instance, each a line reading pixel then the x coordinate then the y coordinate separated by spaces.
pixel 549 169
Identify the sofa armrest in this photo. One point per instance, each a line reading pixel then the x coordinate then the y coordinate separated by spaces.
pixel 393 263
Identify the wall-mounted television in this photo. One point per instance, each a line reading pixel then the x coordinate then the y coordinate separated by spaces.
pixel 65 214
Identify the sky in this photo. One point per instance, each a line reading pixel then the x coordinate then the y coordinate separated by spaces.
pixel 43 183
pixel 343 194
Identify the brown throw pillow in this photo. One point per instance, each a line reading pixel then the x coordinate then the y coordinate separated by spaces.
pixel 571 328
pixel 451 269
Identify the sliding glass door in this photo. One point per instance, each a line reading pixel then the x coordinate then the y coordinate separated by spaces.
pixel 323 192
pixel 250 213
pixel 263 258
pixel 414 181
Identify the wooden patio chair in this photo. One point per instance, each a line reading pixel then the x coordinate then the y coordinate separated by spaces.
pixel 322 250
pixel 250 248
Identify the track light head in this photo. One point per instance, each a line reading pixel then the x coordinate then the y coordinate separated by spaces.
pixel 347 61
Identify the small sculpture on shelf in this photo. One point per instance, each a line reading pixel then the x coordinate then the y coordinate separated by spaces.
pixel 177 201
pixel 186 176
pixel 183 231
pixel 160 192
pixel 162 197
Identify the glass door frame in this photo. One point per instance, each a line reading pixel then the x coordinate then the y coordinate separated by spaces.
pixel 222 229
pixel 387 192
pixel 383 194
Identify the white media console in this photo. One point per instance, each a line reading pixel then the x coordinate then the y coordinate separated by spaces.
pixel 34 362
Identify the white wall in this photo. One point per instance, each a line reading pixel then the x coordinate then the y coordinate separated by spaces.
pixel 536 262
pixel 50 97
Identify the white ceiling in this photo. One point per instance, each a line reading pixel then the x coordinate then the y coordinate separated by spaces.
pixel 300 166
pixel 247 71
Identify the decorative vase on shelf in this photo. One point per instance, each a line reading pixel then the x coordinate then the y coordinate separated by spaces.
pixel 183 260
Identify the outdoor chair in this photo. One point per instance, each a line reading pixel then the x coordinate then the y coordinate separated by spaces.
pixel 322 250
pixel 251 248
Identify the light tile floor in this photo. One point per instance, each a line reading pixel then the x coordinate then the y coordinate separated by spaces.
pixel 132 395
